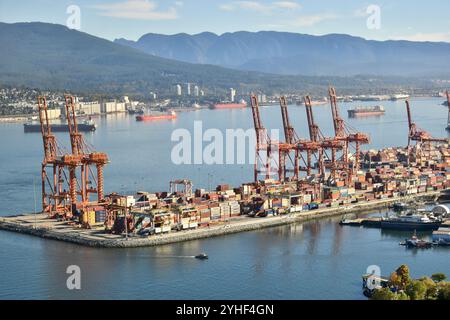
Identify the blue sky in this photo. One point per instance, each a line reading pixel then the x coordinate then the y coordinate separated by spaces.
pixel 399 19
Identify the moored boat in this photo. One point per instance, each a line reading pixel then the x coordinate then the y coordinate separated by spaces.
pixel 415 242
pixel 442 236
pixel 444 196
pixel 135 111
pixel 157 116
pixel 411 222
pixel 366 111
pixel 84 126
pixel 399 206
pixel 230 105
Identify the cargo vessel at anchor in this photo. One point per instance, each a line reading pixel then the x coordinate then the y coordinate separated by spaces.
pixel 366 111
pixel 85 126
pixel 157 116
pixel 228 105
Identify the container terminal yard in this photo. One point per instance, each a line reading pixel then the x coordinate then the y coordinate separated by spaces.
pixel 311 177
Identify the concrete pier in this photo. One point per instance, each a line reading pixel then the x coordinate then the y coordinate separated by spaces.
pixel 40 225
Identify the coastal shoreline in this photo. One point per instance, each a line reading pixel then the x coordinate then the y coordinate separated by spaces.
pixel 39 225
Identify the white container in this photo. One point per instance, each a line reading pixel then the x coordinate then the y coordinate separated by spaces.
pixel 131 201
pixel 294 209
pixel 193 225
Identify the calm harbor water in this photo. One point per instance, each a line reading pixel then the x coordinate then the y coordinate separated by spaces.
pixel 314 260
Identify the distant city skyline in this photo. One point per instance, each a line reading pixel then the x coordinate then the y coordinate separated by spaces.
pixel 130 19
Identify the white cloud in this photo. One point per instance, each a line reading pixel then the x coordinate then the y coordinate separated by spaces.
pixel 226 7
pixel 254 6
pixel 432 37
pixel 287 5
pixel 309 21
pixel 136 9
pixel 259 7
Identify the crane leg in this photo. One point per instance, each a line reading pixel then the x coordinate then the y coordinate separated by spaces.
pixel 100 191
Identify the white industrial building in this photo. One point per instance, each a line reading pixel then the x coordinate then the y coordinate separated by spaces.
pixel 232 94
pixel 113 107
pixel 54 113
pixel 178 89
pixel 88 108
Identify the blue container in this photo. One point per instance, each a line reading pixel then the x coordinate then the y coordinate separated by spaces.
pixel 100 216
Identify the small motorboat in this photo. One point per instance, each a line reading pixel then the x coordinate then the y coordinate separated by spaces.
pixel 201 256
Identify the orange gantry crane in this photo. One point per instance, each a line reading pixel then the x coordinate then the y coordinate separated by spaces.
pixel 325 143
pixel 448 105
pixel 297 145
pixel 53 174
pixel 85 158
pixel 422 138
pixel 289 145
pixel 265 147
pixel 346 134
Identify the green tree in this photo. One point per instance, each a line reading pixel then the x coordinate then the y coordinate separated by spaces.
pixel 438 277
pixel 444 291
pixel 384 294
pixel 432 289
pixel 416 290
pixel 402 296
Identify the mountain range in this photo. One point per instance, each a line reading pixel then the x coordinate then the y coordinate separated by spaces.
pixel 52 56
pixel 300 54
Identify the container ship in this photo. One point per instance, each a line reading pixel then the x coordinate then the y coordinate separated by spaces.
pixel 366 111
pixel 85 126
pixel 313 103
pixel 157 116
pixel 230 105
pixel 397 97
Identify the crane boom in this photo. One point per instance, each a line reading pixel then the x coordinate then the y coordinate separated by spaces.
pixel 338 122
pixel 76 139
pixel 259 129
pixel 448 105
pixel 417 134
pixel 49 140
pixel 289 132
pixel 263 143
pixel 313 128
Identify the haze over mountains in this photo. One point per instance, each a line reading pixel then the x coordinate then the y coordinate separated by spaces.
pixel 51 56
pixel 292 53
